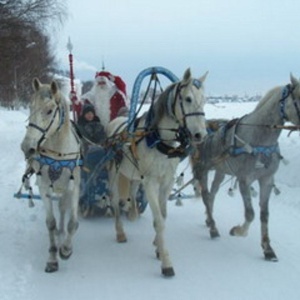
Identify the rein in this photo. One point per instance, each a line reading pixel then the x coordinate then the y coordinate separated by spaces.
pixel 264 150
pixel 287 91
pixel 291 128
pixel 152 136
pixel 153 139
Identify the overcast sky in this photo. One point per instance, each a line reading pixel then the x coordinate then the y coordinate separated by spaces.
pixel 248 46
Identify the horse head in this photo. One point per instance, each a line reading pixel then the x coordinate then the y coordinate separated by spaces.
pixel 189 105
pixel 46 116
pixel 290 101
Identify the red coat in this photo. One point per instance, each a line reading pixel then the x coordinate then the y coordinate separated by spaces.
pixel 117 101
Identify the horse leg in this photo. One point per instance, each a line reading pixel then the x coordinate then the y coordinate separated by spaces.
pixel 133 212
pixel 66 249
pixel 159 226
pixel 127 194
pixel 52 262
pixel 208 200
pixel 245 190
pixel 266 185
pixel 124 192
pixel 115 184
pixel 62 214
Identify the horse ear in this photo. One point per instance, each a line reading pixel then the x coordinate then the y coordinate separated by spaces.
pixel 294 80
pixel 187 75
pixel 54 87
pixel 36 84
pixel 203 77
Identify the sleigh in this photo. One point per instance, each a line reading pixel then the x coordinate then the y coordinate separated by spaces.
pixel 94 177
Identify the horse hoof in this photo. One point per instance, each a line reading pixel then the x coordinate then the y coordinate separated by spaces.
pixel 65 253
pixel 121 238
pixel 238 231
pixel 232 231
pixel 168 272
pixel 214 233
pixel 271 256
pixel 51 267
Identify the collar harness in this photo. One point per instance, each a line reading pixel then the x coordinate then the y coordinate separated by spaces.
pixel 56 165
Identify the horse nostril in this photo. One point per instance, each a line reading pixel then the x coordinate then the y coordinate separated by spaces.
pixel 31 151
pixel 198 136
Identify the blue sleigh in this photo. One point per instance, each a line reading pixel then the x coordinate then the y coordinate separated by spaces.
pixel 95 199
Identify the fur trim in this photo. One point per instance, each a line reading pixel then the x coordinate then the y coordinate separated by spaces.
pixel 116 80
pixel 103 93
pixel 102 103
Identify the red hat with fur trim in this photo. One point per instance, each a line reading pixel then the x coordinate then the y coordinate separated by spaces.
pixel 120 84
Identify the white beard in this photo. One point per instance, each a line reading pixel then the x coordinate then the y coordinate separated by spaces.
pixel 100 97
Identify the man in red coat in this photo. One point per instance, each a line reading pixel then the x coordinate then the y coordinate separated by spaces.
pixel 108 96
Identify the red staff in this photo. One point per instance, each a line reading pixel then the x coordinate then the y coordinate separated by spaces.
pixel 73 96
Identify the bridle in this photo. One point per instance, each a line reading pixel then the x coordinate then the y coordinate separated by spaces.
pixel 183 135
pixel 178 96
pixel 44 131
pixel 288 91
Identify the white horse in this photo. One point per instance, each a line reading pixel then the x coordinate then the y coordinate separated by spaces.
pixel 162 137
pixel 248 149
pixel 52 150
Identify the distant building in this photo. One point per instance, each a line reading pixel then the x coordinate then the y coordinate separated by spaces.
pixel 232 98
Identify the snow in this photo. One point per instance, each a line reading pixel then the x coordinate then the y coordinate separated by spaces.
pixel 227 268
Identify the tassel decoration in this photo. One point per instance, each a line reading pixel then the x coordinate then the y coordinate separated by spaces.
pixel 179 180
pixel 178 200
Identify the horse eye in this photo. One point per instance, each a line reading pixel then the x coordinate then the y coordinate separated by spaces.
pixel 49 111
pixel 188 99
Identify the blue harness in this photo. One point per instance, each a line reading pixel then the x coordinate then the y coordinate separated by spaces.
pixel 234 150
pixel 56 166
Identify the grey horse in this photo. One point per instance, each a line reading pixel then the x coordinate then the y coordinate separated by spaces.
pixel 248 149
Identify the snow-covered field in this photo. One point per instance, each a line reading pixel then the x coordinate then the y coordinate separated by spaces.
pixel 228 268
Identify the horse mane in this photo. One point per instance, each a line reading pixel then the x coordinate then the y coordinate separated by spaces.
pixel 64 104
pixel 271 93
pixel 160 107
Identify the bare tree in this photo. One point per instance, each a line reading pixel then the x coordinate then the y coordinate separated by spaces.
pixel 25 46
pixel 41 13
